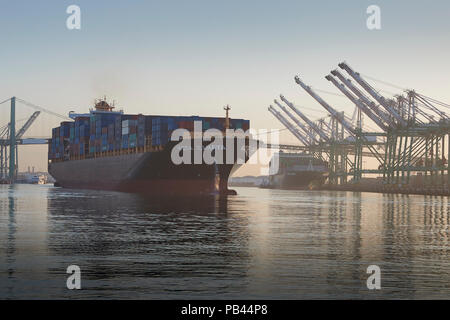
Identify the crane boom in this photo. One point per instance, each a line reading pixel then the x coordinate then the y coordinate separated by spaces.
pixel 301 125
pixel 369 103
pixel 329 108
pixel 422 99
pixel 305 118
pixel 27 125
pixel 322 121
pixel 379 98
pixel 288 126
pixel 357 102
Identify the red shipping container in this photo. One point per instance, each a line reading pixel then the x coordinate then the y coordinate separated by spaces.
pixel 189 125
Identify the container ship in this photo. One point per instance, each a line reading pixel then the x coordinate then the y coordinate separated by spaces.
pixel 109 150
pixel 297 171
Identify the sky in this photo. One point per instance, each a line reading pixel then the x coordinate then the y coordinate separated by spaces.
pixel 194 57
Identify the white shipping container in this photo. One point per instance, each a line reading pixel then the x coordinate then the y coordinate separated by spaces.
pixel 125 123
pixel 125 131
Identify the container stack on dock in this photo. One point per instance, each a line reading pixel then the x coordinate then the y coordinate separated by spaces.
pixel 101 132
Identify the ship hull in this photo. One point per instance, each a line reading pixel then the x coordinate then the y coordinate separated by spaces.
pixel 151 173
pixel 305 180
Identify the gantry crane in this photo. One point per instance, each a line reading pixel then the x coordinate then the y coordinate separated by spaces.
pixel 288 125
pixel 366 106
pixel 5 142
pixel 379 98
pixel 310 123
pixel 298 122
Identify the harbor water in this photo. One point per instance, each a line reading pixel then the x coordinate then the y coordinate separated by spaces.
pixel 260 244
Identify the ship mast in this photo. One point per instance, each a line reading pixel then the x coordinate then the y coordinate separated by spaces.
pixel 227 108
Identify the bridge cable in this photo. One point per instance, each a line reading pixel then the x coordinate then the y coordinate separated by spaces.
pixel 5 101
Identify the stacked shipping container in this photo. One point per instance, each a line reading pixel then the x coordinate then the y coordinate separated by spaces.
pixel 108 131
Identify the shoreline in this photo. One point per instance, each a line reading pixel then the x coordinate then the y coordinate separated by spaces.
pixel 430 191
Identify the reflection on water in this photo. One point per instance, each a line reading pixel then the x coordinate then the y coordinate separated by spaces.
pixel 259 244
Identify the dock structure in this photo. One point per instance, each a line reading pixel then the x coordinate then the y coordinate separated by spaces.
pixel 411 144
